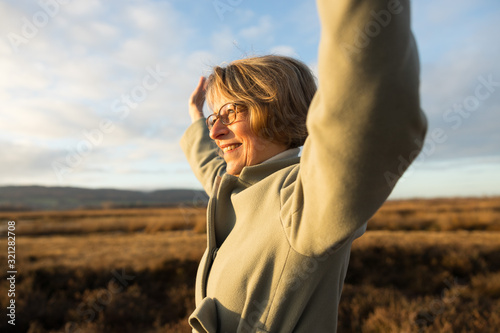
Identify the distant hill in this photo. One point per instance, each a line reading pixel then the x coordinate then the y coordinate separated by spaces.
pixel 64 198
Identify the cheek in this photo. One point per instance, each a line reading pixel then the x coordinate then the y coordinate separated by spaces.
pixel 258 146
pixel 254 150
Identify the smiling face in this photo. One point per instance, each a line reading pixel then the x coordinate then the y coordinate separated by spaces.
pixel 241 147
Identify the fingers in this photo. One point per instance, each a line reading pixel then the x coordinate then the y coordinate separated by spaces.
pixel 202 87
pixel 198 95
pixel 197 99
pixel 202 83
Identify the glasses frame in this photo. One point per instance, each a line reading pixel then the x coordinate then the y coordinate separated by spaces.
pixel 217 117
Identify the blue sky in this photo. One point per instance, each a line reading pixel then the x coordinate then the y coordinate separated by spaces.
pixel 94 93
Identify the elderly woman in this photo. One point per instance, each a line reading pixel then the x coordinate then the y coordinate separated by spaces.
pixel 280 226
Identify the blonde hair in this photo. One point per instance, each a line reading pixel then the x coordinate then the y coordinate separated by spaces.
pixel 276 90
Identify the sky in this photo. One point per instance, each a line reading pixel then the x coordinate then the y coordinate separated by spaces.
pixel 94 93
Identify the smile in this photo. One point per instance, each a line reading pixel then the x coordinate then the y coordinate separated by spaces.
pixel 230 147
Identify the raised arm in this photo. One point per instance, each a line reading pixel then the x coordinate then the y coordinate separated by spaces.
pixel 200 150
pixel 363 120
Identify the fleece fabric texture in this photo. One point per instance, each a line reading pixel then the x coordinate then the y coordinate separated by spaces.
pixel 291 221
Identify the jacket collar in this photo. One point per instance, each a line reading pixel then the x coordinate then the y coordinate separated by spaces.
pixel 292 152
pixel 255 173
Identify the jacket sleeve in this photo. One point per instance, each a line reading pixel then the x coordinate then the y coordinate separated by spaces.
pixel 202 155
pixel 364 122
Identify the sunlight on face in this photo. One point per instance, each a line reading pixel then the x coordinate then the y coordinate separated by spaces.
pixel 241 147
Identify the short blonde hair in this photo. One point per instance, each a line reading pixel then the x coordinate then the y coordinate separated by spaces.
pixel 276 90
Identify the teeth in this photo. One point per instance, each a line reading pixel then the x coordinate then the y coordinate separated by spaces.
pixel 228 148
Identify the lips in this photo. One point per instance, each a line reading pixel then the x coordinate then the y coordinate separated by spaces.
pixel 230 147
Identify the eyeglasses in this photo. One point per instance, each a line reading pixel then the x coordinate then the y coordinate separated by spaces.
pixel 227 114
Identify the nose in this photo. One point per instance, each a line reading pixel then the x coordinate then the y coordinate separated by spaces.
pixel 218 130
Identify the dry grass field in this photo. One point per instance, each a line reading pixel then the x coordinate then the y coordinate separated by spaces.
pixel 422 266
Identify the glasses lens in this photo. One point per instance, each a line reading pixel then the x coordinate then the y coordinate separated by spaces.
pixel 228 114
pixel 211 121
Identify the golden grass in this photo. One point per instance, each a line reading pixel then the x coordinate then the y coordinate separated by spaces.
pixel 422 266
pixel 109 220
pixel 469 240
pixel 108 251
pixel 439 215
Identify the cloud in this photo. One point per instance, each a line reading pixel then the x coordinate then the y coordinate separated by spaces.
pixel 83 8
pixel 223 40
pixel 24 163
pixel 263 31
pixel 88 59
pixel 284 50
pixel 451 77
pixel 65 80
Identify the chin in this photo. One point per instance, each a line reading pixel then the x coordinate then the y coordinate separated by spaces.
pixel 233 171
